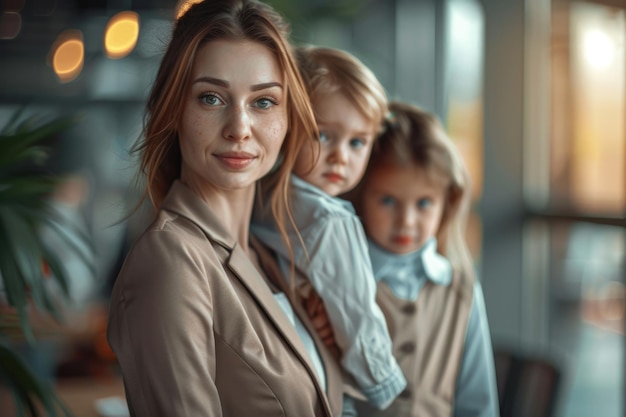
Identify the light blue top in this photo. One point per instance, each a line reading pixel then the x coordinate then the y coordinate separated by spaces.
pixel 336 263
pixel 476 391
pixel 306 338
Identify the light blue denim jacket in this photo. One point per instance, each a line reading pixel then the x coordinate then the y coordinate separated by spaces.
pixel 476 392
pixel 336 263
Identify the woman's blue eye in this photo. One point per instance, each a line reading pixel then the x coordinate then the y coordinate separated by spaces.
pixel 211 99
pixel 357 143
pixel 323 137
pixel 424 203
pixel 387 201
pixel 264 103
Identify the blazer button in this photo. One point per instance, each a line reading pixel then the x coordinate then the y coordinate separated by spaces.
pixel 408 309
pixel 406 394
pixel 408 347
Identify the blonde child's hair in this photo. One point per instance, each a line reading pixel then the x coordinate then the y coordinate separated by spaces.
pixel 414 136
pixel 330 71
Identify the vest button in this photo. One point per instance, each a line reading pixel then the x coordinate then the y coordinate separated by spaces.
pixel 408 309
pixel 406 394
pixel 408 347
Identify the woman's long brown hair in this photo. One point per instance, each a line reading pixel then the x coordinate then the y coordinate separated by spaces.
pixel 205 22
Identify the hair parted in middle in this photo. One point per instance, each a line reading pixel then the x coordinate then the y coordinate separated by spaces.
pixel 203 22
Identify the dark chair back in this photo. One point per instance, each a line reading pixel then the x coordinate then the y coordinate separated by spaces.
pixel 528 385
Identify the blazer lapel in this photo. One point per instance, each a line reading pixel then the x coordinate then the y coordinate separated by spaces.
pixel 241 266
pixel 254 282
pixel 257 286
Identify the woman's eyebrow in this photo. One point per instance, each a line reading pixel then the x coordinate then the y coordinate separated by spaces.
pixel 212 80
pixel 226 84
pixel 263 86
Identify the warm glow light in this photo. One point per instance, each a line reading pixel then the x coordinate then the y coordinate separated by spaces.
pixel 121 34
pixel 68 55
pixel 595 136
pixel 183 6
pixel 599 49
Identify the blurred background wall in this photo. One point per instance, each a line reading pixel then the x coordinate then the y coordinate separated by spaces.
pixel 532 91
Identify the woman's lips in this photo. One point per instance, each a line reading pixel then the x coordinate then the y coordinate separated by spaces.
pixel 235 160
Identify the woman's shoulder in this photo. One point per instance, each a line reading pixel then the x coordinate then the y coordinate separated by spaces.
pixel 169 227
pixel 171 244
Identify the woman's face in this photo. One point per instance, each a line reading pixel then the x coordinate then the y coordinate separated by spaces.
pixel 401 207
pixel 234 118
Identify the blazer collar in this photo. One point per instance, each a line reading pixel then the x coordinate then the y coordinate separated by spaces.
pixel 181 200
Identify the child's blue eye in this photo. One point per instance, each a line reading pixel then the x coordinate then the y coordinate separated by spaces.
pixel 387 201
pixel 424 203
pixel 323 137
pixel 357 143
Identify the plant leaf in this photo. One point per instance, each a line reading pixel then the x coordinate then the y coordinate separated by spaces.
pixel 23 209
pixel 26 249
pixel 13 121
pixel 25 382
pixel 59 275
pixel 84 249
pixel 26 134
pixel 14 283
pixel 32 189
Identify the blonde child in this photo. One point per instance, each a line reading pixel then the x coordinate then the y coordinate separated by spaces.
pixel 331 248
pixel 413 202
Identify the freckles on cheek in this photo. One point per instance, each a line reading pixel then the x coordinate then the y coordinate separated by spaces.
pixel 278 130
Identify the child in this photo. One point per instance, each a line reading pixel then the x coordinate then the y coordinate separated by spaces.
pixel 330 247
pixel 413 202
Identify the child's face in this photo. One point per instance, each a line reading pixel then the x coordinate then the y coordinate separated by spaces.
pixel 346 138
pixel 401 207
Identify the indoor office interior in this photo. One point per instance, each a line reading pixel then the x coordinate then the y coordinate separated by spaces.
pixel 532 92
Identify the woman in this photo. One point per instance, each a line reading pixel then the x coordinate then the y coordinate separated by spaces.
pixel 194 320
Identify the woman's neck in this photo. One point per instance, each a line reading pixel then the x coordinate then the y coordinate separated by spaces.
pixel 232 207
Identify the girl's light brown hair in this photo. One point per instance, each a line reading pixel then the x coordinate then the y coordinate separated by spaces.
pixel 415 137
pixel 210 20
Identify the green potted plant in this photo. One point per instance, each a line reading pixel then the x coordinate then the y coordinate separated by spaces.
pixel 24 208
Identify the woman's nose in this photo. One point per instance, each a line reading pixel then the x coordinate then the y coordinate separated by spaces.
pixel 237 125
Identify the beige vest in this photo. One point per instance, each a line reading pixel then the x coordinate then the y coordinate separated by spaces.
pixel 428 336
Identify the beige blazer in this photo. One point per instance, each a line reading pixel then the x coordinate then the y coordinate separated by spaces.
pixel 197 331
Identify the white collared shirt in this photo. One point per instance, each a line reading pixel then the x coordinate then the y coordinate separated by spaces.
pixel 406 274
